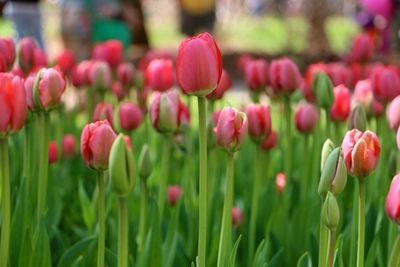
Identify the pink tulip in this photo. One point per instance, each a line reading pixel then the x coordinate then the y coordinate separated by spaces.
pixel 7 51
pixel 28 85
pixel 26 53
pixel 224 85
pixel 270 142
pixel 198 65
pixel 280 182
pixel 80 74
pixel 13 107
pixel 398 138
pixel 362 48
pixel 174 193
pixel 130 116
pixel 284 76
pixel 259 121
pixel 364 96
pixel 53 152
pixel 237 216
pixel 393 113
pixel 393 200
pixel 66 61
pixel 231 129
pixel 306 88
pixel 341 107
pixel 151 55
pixel 118 90
pixel 160 74
pixel 339 74
pixel 68 146
pixel 256 74
pixel 39 60
pixel 100 75
pixel 96 141
pixel 306 118
pixel 111 51
pixel 242 62
pixel 125 73
pixel 103 111
pixel 385 83
pixel 361 152
pixel 51 87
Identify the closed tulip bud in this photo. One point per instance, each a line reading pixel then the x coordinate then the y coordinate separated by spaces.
pixel 26 53
pixel 339 74
pixel 323 90
pixel 340 109
pixel 270 142
pixel 122 166
pixel 358 118
pixel 96 141
pixel 362 48
pixel 231 129
pixel 145 163
pixel 280 182
pixel 66 61
pixel 80 74
pixel 334 174
pixel 398 138
pixel 28 85
pixel 103 111
pixel 306 118
pixel 100 75
pixel 307 89
pixel 361 152
pixel 327 148
pixel 174 193
pixel 285 76
pixel 68 146
pixel 198 65
pixel 385 83
pixel 160 74
pixel 237 216
pixel 224 85
pixel 129 116
pixel 111 51
pixel 331 212
pixel 256 74
pixel 393 200
pixel 39 60
pixel 53 152
pixel 48 89
pixel 7 50
pixel 259 121
pixel 393 113
pixel 13 107
pixel 125 74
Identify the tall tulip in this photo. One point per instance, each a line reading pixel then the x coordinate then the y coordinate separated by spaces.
pixel 362 48
pixel 100 75
pixel 111 51
pixel 48 89
pixel 259 119
pixel 393 213
pixel 66 61
pixel 160 74
pixel 256 74
pixel 393 113
pixel 125 74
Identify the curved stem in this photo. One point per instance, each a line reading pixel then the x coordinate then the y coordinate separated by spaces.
pixel 123 232
pixel 44 163
pixel 5 203
pixel 202 106
pixel 162 192
pixel 361 223
pixel 394 260
pixel 226 225
pixel 331 250
pixel 101 218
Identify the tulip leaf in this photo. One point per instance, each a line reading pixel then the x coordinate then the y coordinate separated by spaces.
pixel 110 258
pixel 153 246
pixel 276 259
pixel 304 261
pixel 232 258
pixel 88 212
pixel 41 255
pixel 75 251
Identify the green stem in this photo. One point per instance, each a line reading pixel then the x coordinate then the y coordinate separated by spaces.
pixel 202 106
pixel 327 124
pixel 123 232
pixel 394 260
pixel 143 215
pixel 361 222
pixel 306 175
pixel 331 250
pixel 162 192
pixel 288 158
pixel 226 225
pixel 44 121
pixel 353 235
pixel 254 205
pixel 323 240
pixel 101 218
pixel 5 203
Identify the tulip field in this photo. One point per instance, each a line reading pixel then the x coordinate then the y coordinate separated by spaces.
pixel 159 162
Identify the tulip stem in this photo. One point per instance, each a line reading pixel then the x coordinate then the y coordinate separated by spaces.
pixel 123 232
pixel 306 178
pixel 288 158
pixel 202 106
pixel 254 204
pixel 5 203
pixel 44 121
pixel 327 124
pixel 143 216
pixel 323 239
pixel 162 192
pixel 394 260
pixel 226 225
pixel 331 250
pixel 353 239
pixel 361 222
pixel 101 218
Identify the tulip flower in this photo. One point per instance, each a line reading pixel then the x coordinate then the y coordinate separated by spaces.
pixel 103 111
pixel 80 74
pixel 198 65
pixel 358 118
pixel 237 216
pixel 48 89
pixel 393 200
pixel 28 84
pixel 270 142
pixel 259 122
pixel 362 48
pixel 224 85
pixel 256 74
pixel 130 116
pixel 339 74
pixel 323 90
pixel 100 75
pixel 26 52
pixel 242 62
pixel 66 61
pixel 53 153
pixel 125 74
pixel 306 118
pixel 398 138
pixel 174 193
pixel 7 51
pixel 160 74
pixel 68 146
pixel 280 182
pixel 385 83
pixel 306 88
pixel 340 109
pixel 111 51
pixel 284 76
pixel 356 74
pixel 393 113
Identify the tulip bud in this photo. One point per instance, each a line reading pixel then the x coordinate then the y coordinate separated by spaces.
pixel 174 193
pixel 334 174
pixel 145 164
pixel 259 121
pixel 111 51
pixel 122 167
pixel 68 146
pixel 80 74
pixel 280 182
pixel 393 113
pixel 256 74
pixel 53 153
pixel 285 76
pixel 362 48
pixel 393 200
pixel 103 111
pixel 340 109
pixel 306 118
pixel 125 73
pixel 358 118
pixel 385 83
pixel 306 89
pixel 129 116
pixel 100 75
pixel 160 74
pixel 237 216
pixel 7 50
pixel 398 138
pixel 270 142
pixel 331 212
pixel 327 148
pixel 48 89
pixel 66 61
pixel 26 50
pixel 339 74
pixel 323 90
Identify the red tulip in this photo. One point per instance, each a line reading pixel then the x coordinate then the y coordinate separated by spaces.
pixel 357 74
pixel 26 53
pixel 7 51
pixel 361 152
pixel 66 61
pixel 259 121
pixel 231 129
pixel 13 107
pixel 68 146
pixel 270 142
pixel 39 59
pixel 242 62
pixel 96 141
pixel 237 216
pixel 341 107
pixel 280 182
pixel 362 48
pixel 53 152
pixel 393 200
pixel 174 193
pixel 393 113
pixel 284 76
pixel 100 75
pixel 130 116
pixel 103 111
pixel 111 51
pixel 306 88
pixel 151 55
pixel 125 73
pixel 385 83
pixel 306 118
pixel 51 87
pixel 224 85
pixel 160 74
pixel 198 65
pixel 339 74
pixel 256 74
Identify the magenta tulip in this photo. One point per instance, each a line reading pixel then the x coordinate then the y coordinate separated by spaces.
pixel 130 116
pixel 68 146
pixel 393 113
pixel 306 118
pixel 125 74
pixel 174 193
pixel 103 111
pixel 256 74
pixel 393 200
pixel 259 121
pixel 385 83
pixel 284 76
pixel 160 74
pixel 224 85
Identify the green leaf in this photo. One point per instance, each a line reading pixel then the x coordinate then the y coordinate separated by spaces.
pixel 153 246
pixel 110 258
pixel 88 212
pixel 75 251
pixel 232 258
pixel 304 261
pixel 41 255
pixel 276 260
